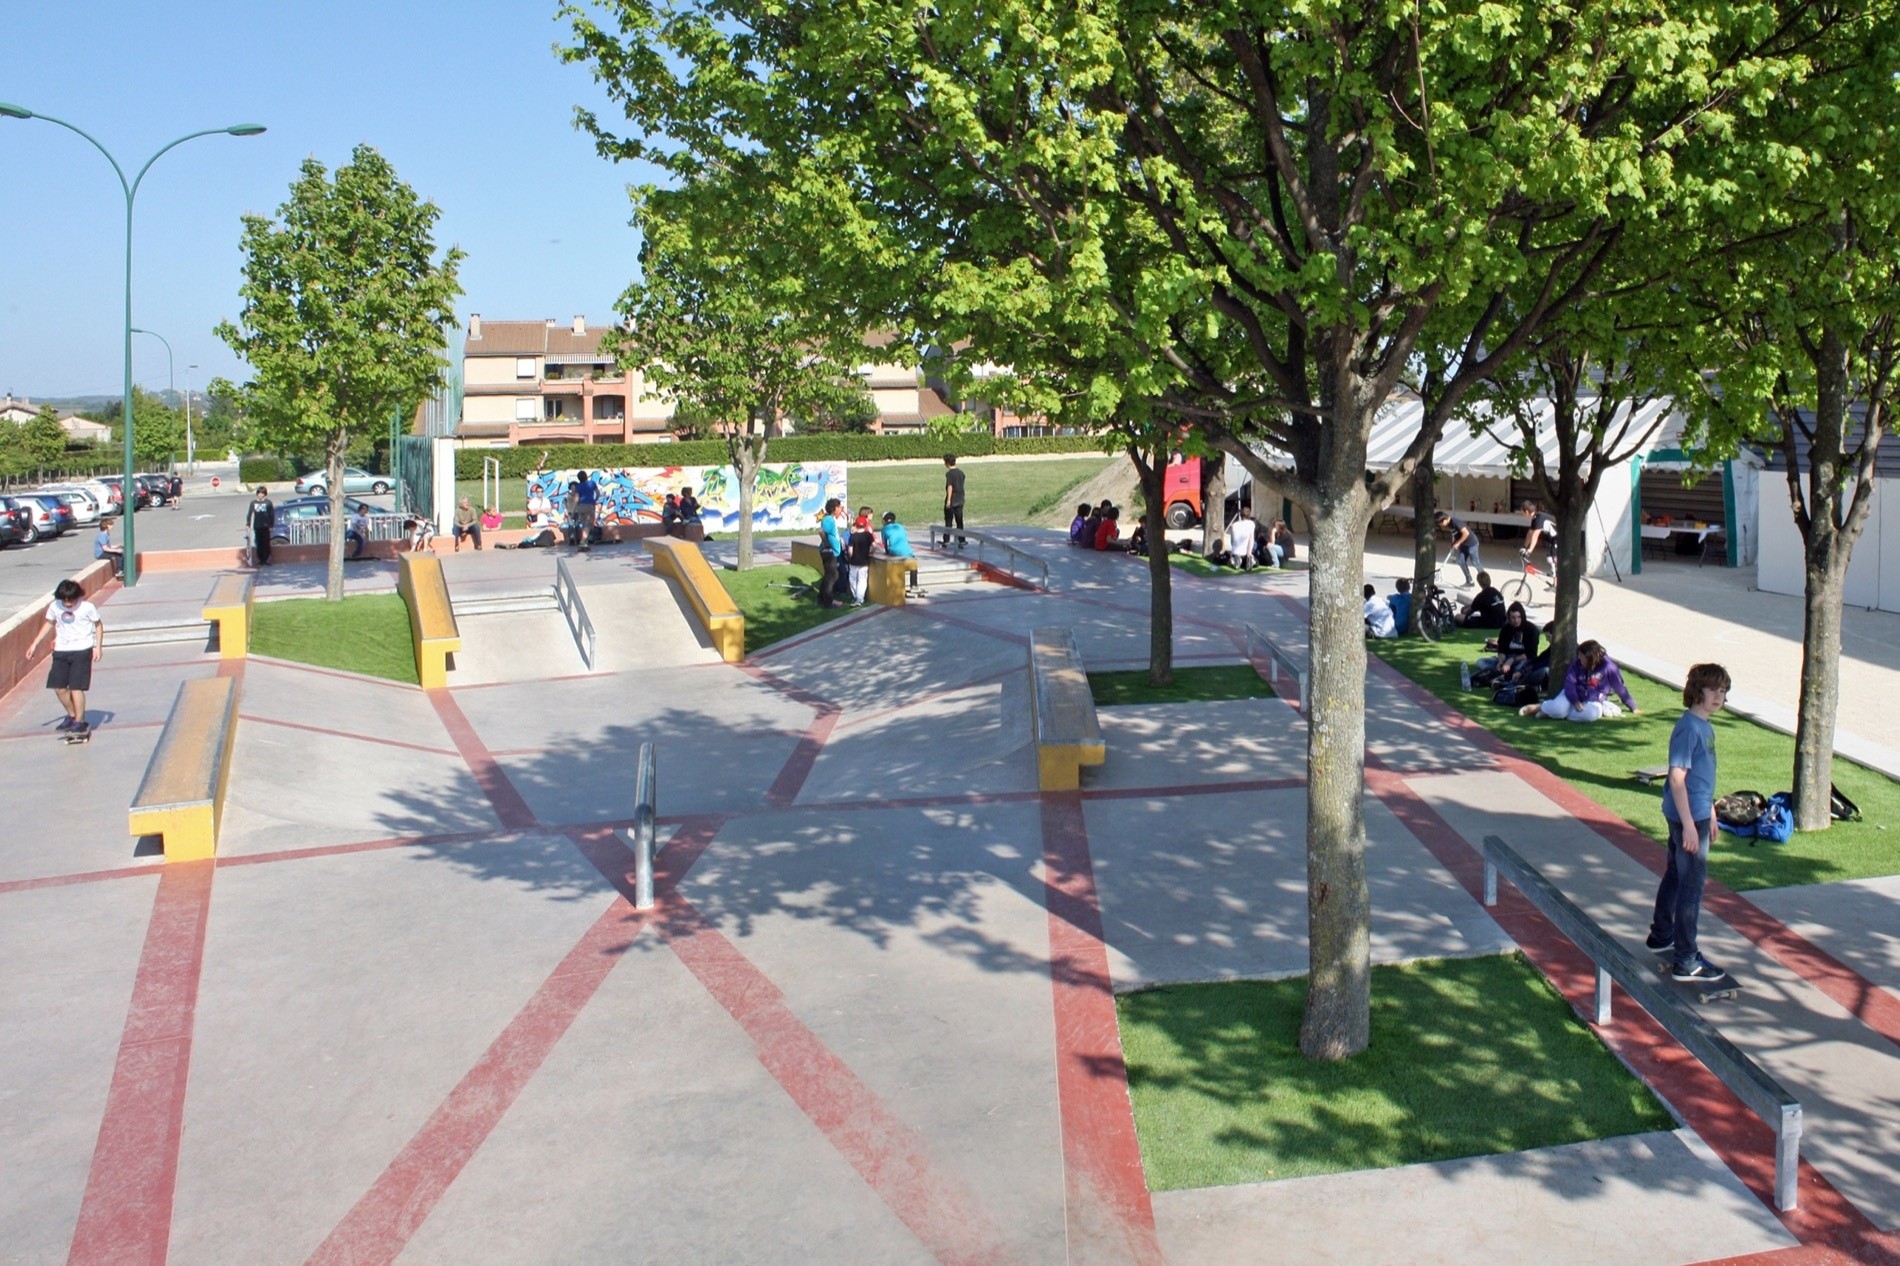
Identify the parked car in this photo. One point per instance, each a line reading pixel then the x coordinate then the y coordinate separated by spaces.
pixel 14 525
pixel 317 482
pixel 313 508
pixel 157 487
pixel 111 500
pixel 51 517
pixel 86 508
pixel 141 494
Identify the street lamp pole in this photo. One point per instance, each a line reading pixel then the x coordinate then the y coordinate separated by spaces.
pixel 131 189
pixel 171 387
pixel 191 450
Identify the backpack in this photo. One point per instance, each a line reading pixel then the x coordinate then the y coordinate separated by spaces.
pixel 1839 807
pixel 1515 694
pixel 1776 823
pixel 1739 811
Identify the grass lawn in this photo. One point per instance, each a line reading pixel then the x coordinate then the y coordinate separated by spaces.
pixel 1469 1057
pixel 367 634
pixel 997 492
pixel 1597 760
pixel 1222 681
pixel 772 611
pixel 1197 563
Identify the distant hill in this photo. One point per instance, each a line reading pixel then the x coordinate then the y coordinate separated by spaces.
pixel 91 405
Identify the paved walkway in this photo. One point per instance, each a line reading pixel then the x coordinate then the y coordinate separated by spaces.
pixel 409 1013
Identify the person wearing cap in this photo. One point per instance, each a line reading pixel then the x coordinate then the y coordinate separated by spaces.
pixel 857 555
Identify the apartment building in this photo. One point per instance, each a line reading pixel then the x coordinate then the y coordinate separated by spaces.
pixel 542 382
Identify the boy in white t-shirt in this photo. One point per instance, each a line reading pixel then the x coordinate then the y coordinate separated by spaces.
pixel 79 638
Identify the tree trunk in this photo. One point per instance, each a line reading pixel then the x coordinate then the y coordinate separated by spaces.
pixel 1154 516
pixel 1424 546
pixel 1820 685
pixel 1213 502
pixel 1337 1019
pixel 1570 506
pixel 333 468
pixel 747 455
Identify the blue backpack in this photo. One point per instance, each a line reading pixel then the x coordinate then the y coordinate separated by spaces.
pixel 1776 823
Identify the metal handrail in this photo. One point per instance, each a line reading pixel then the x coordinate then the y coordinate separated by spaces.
pixel 567 596
pixel 646 790
pixel 316 531
pixel 1751 1084
pixel 984 543
pixel 1280 658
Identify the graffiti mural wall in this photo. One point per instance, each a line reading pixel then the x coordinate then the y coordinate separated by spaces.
pixel 788 496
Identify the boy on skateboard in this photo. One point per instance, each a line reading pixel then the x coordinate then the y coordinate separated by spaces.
pixel 1689 808
pixel 79 638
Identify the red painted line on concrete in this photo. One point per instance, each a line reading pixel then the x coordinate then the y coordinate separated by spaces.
pixel 354 735
pixel 1867 1002
pixel 81 877
pixel 1739 1138
pixel 1110 1217
pixel 125 1216
pixel 510 808
pixel 360 846
pixel 1881 1249
pixel 791 690
pixel 798 766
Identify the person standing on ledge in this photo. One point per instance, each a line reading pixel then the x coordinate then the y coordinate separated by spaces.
pixel 261 519
pixel 952 497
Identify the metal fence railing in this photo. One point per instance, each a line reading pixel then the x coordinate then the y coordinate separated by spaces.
pixel 1751 1084
pixel 316 531
pixel 1278 659
pixel 567 596
pixel 646 791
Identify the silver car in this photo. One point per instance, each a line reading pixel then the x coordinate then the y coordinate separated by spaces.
pixel 86 508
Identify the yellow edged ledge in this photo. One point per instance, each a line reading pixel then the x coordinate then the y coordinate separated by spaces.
pixel 181 797
pixel 431 619
pixel 712 606
pixel 229 607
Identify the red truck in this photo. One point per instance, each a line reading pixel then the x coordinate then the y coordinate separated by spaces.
pixel 1181 493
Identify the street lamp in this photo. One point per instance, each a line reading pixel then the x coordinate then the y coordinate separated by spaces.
pixel 171 379
pixel 131 189
pixel 191 450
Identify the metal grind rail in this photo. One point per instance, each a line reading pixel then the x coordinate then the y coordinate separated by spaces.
pixel 1751 1084
pixel 1279 658
pixel 567 596
pixel 1006 556
pixel 646 790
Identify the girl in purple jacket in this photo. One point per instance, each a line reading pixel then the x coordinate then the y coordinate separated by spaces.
pixel 1592 677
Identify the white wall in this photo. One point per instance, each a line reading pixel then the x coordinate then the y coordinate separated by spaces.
pixel 1873 574
pixel 1606 532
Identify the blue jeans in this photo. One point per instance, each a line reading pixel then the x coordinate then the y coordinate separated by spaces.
pixel 1679 896
pixel 1467 557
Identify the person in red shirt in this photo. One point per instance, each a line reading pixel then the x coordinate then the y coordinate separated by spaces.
pixel 1110 531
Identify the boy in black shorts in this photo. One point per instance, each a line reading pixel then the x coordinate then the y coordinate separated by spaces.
pixel 79 638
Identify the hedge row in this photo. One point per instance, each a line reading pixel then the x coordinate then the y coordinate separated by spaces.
pixel 264 470
pixel 519 463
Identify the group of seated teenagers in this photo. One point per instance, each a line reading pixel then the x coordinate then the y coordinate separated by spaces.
pixel 1245 546
pixel 846 545
pixel 1389 617
pixel 1100 527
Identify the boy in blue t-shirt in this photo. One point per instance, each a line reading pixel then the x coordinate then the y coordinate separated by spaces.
pixel 1689 808
pixel 897 544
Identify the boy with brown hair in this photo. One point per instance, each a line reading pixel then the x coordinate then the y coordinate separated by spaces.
pixel 1689 808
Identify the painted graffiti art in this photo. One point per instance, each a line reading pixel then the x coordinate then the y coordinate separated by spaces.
pixel 787 497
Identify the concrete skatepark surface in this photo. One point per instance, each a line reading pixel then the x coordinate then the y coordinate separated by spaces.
pixel 409 1013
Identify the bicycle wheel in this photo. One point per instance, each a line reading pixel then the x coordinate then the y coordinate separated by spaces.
pixel 1585 591
pixel 1520 590
pixel 1433 622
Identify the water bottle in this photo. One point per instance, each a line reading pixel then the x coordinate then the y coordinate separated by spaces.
pixel 1464 675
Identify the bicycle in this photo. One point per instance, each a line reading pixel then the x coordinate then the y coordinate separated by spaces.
pixel 1436 615
pixel 1522 590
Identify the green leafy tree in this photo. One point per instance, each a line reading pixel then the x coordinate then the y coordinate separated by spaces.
pixel 346 309
pixel 158 432
pixel 42 442
pixel 1253 219
pixel 720 323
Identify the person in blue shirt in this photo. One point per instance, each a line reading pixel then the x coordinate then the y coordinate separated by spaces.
pixel 1401 604
pixel 1689 809
pixel 586 505
pixel 830 545
pixel 897 544
pixel 1079 533
pixel 102 547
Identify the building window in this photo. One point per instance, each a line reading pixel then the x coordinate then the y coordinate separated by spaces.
pixel 525 410
pixel 556 407
pixel 609 408
pixel 524 367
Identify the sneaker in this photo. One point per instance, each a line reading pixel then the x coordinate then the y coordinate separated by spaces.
pixel 65 723
pixel 1655 946
pixel 1701 969
pixel 80 729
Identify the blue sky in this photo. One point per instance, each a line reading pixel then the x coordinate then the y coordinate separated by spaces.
pixel 467 100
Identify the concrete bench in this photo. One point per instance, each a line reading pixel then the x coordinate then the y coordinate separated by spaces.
pixel 181 797
pixel 431 619
pixel 1067 733
pixel 712 606
pixel 805 554
pixel 229 607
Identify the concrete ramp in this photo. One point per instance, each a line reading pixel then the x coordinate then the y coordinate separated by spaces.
pixel 642 621
pixel 514 646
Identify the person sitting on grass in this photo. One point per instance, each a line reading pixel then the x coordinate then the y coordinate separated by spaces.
pixel 1379 622
pixel 1593 676
pixel 1486 608
pixel 1079 526
pixel 1138 541
pixel 1240 540
pixel 1401 604
pixel 1515 645
pixel 1276 546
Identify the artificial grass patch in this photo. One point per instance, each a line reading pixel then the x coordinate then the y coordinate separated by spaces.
pixel 994 492
pixel 773 607
pixel 1597 759
pixel 1222 681
pixel 367 634
pixel 1469 1057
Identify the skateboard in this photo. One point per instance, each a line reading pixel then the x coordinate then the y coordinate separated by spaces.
pixel 1724 987
pixel 69 738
